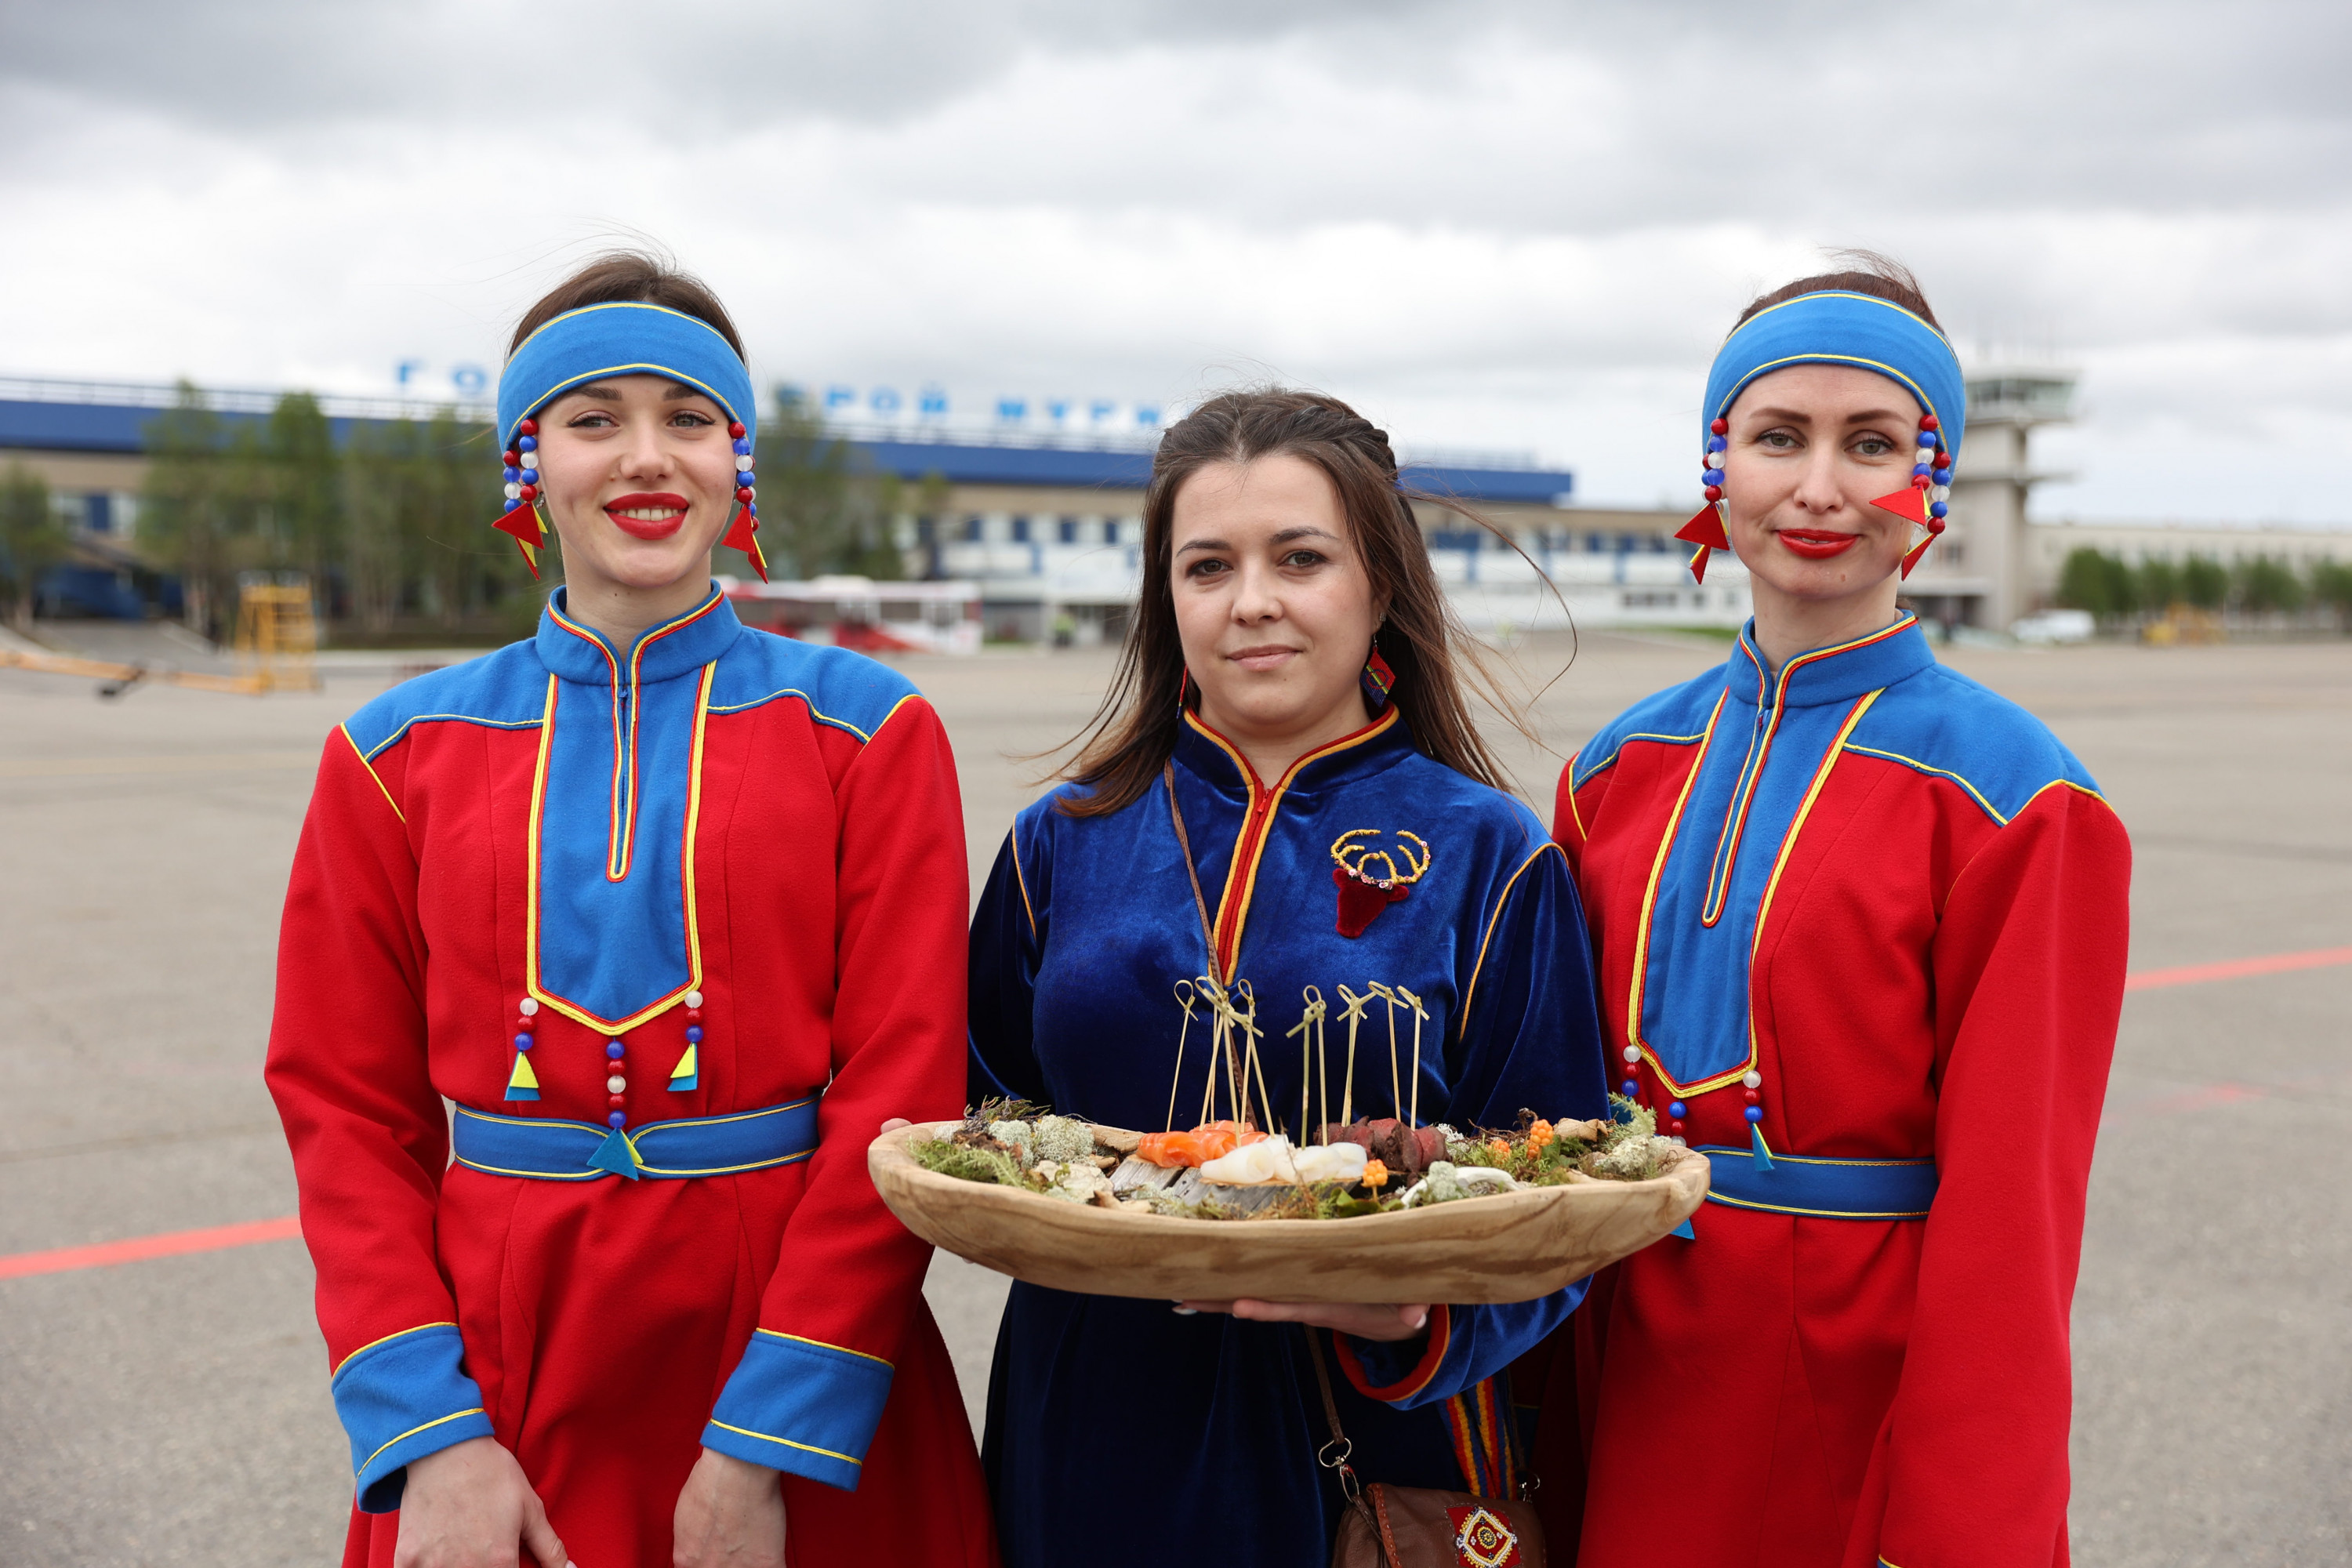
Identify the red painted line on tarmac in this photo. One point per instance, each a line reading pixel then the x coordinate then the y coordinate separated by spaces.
pixel 2238 968
pixel 57 1260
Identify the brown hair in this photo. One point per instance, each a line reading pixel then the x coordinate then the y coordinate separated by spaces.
pixel 1133 734
pixel 632 275
pixel 1866 272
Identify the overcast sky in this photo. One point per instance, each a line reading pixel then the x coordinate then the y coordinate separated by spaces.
pixel 1522 227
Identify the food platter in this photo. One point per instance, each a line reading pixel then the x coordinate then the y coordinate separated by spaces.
pixel 1501 1247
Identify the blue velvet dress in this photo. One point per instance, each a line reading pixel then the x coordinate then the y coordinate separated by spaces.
pixel 1117 1429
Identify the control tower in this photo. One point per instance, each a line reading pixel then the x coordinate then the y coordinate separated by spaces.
pixel 1978 574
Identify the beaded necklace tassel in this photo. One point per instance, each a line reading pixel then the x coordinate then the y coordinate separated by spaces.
pixel 688 1074
pixel 521 1082
pixel 522 520
pixel 1706 527
pixel 741 534
pixel 1754 1084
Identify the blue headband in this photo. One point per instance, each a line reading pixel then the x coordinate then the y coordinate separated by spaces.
pixel 624 338
pixel 596 342
pixel 1859 330
pixel 1838 327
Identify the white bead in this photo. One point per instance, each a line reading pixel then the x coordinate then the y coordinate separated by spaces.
pixel 1754 1081
pixel 514 492
pixel 615 1084
pixel 527 1006
pixel 1633 1053
pixel 1678 1142
pixel 694 999
pixel 1940 493
pixel 743 464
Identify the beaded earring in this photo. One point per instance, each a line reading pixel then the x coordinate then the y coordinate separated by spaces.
pixel 522 518
pixel 1928 501
pixel 741 534
pixel 1706 527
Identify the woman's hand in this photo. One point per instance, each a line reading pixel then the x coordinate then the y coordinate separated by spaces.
pixel 1362 1320
pixel 468 1505
pixel 895 1123
pixel 730 1515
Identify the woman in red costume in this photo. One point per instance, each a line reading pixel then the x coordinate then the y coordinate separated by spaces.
pixel 1861 934
pixel 672 913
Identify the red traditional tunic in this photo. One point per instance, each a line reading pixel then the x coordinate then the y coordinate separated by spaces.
pixel 726 871
pixel 1888 907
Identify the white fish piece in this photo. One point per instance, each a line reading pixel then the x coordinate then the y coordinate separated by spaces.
pixel 1330 1163
pixel 1268 1161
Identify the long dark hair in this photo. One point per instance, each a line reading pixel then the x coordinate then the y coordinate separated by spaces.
pixel 1133 734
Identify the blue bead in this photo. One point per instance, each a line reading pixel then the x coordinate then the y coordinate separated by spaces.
pixel 1675 1110
pixel 1715 443
pixel 528 443
pixel 743 448
pixel 616 1120
pixel 514 475
pixel 523 1042
pixel 1937 509
pixel 746 479
pixel 1919 470
pixel 613 1049
pixel 1629 1089
pixel 694 1034
pixel 1943 476
pixel 752 507
pixel 530 476
pixel 1754 1113
pixel 1712 476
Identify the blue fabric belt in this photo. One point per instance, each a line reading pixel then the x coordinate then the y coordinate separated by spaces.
pixel 1821 1189
pixel 542 1149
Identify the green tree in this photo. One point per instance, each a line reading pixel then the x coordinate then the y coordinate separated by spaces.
pixel 2157 583
pixel 2095 581
pixel 817 514
pixel 33 538
pixel 2331 584
pixel 303 492
pixel 2265 584
pixel 2204 582
pixel 185 506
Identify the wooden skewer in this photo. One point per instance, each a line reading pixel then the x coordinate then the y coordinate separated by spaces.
pixel 1355 1016
pixel 1186 995
pixel 1418 1014
pixel 1396 1086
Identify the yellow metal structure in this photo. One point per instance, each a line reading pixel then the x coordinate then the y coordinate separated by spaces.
pixel 276 647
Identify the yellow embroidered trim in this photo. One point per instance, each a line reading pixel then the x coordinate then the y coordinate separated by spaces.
pixel 787 1442
pixel 1495 918
pixel 413 1431
pixel 820 1344
pixel 344 730
pixel 1975 794
pixel 1650 891
pixel 407 724
pixel 1605 763
pixel 1021 877
pixel 387 1339
pixel 693 827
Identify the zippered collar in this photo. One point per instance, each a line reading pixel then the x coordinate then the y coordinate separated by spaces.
pixel 1839 673
pixel 577 652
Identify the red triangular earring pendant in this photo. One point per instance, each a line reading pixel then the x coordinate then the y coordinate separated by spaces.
pixel 1911 558
pixel 1705 530
pixel 521 521
pixel 1909 504
pixel 740 537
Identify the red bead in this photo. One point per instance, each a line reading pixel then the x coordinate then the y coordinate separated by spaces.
pixel 1935 525
pixel 616 1101
pixel 1918 481
pixel 514 459
pixel 1675 1128
pixel 528 428
pixel 1721 426
pixel 530 492
pixel 1715 493
pixel 694 1015
pixel 736 429
pixel 1754 1097
pixel 1929 422
pixel 742 492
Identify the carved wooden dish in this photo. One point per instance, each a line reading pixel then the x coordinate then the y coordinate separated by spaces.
pixel 1510 1247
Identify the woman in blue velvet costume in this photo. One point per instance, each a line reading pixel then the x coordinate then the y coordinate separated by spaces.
pixel 1286 712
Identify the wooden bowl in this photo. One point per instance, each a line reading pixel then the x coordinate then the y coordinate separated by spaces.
pixel 1510 1247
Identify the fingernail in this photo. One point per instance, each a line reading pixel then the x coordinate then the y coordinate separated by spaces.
pixel 1182 1311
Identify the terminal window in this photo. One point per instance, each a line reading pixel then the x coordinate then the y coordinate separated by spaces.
pixel 1069 531
pixel 1020 530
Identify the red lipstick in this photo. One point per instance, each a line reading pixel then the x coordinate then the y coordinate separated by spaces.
pixel 668 514
pixel 1815 546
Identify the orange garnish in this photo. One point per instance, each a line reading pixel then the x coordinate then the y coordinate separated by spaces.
pixel 1375 1174
pixel 1498 1148
pixel 1540 1134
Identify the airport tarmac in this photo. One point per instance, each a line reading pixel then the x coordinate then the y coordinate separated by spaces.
pixel 174 1411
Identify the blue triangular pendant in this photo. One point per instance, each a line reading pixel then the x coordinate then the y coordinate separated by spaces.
pixel 1685 1231
pixel 1756 1142
pixel 688 1074
pixel 616 1155
pixel 522 1083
